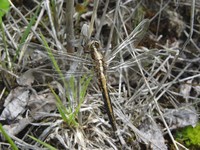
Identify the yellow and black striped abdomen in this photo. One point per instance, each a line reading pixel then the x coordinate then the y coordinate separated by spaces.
pixel 100 72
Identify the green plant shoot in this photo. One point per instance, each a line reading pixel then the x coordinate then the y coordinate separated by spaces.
pixel 4 7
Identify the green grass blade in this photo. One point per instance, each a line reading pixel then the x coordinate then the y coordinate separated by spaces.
pixel 59 102
pixel 61 112
pixel 27 31
pixel 67 115
pixel 85 80
pixel 73 89
pixel 85 85
pixel 43 143
pixel 8 59
pixel 53 60
pixel 12 144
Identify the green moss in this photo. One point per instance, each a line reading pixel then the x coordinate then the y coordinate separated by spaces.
pixel 189 136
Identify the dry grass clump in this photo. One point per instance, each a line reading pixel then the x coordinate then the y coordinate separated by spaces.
pixel 49 90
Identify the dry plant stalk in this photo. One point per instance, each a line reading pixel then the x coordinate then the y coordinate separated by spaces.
pixel 69 25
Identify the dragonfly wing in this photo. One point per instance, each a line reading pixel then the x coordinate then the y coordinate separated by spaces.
pixel 133 39
pixel 39 60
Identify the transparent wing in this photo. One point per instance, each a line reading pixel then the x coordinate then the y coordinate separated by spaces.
pixel 38 59
pixel 121 62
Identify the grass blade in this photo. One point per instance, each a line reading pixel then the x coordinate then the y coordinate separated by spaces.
pixel 43 143
pixel 26 34
pixel 12 144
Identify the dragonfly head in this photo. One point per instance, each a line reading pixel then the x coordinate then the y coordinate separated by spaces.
pixel 91 45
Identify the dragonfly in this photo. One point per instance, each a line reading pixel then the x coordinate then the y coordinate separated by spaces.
pixel 97 60
pixel 94 46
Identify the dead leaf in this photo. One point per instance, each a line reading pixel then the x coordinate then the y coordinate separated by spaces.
pixel 153 135
pixel 42 102
pixel 15 103
pixel 26 79
pixel 178 118
pixel 185 89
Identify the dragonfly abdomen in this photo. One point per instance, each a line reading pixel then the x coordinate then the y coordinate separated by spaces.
pixel 100 72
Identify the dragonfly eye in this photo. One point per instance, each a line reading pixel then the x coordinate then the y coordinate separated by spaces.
pixel 96 44
pixel 93 44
